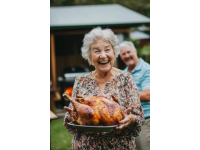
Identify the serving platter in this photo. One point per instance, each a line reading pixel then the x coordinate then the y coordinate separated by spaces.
pixel 88 128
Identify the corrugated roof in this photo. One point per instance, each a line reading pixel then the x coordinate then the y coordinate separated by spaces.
pixel 94 15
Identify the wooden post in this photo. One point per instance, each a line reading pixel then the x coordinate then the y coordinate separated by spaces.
pixel 129 32
pixel 53 61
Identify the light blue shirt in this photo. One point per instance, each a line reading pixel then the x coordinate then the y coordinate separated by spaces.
pixel 141 77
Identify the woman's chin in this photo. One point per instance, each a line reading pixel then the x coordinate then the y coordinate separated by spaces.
pixel 104 68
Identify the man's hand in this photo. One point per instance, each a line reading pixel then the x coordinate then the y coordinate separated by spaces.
pixel 145 95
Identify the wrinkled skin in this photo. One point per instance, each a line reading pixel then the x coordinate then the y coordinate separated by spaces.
pixel 95 110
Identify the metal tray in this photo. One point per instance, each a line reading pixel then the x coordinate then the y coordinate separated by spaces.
pixel 87 128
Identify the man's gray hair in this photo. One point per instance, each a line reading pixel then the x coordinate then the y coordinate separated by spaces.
pixel 95 34
pixel 126 43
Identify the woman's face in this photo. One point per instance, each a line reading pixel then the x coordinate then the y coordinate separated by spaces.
pixel 102 55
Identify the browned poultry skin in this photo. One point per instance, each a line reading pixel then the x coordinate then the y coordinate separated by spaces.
pixel 95 110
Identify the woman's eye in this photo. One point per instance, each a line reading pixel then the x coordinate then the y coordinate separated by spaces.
pixel 96 51
pixel 107 50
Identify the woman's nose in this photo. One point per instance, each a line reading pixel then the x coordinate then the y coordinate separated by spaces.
pixel 103 55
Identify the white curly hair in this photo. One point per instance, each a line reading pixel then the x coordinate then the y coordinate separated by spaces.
pixel 95 34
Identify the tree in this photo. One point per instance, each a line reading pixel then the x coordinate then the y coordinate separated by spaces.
pixel 140 6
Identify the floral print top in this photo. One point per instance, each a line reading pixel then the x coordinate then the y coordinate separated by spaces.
pixel 125 90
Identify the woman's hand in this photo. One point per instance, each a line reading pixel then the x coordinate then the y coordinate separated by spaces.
pixel 71 113
pixel 128 121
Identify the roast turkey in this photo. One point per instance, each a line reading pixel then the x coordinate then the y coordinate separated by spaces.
pixel 94 110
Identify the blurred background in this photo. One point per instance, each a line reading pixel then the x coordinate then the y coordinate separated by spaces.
pixel 70 20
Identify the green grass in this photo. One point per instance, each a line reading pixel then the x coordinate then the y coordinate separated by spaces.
pixel 60 137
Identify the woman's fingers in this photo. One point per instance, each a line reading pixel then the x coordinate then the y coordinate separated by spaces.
pixel 127 120
pixel 68 109
pixel 127 111
pixel 71 112
pixel 121 126
pixel 127 116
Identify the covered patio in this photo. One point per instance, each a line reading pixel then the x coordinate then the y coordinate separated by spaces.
pixel 68 24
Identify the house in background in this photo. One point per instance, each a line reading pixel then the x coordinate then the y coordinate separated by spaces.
pixel 69 24
pixel 142 37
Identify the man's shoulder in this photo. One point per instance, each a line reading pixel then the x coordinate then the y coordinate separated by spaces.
pixel 145 66
pixel 125 69
pixel 124 73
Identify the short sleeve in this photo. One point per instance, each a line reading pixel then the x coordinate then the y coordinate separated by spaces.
pixel 146 80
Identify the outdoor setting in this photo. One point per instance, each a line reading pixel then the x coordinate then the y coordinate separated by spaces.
pixel 70 21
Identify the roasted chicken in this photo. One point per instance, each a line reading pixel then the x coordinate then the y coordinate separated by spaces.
pixel 94 110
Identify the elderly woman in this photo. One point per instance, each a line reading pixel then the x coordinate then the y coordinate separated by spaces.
pixel 100 48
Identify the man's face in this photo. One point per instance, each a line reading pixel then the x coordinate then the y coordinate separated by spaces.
pixel 127 55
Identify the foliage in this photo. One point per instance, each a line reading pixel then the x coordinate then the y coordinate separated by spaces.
pixel 140 6
pixel 60 137
pixel 145 53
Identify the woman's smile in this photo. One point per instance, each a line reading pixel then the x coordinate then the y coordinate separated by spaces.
pixel 102 55
pixel 103 62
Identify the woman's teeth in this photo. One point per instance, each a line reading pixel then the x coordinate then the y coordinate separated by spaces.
pixel 103 62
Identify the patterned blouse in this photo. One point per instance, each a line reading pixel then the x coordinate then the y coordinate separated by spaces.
pixel 125 90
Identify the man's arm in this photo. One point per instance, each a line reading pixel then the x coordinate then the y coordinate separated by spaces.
pixel 145 83
pixel 145 95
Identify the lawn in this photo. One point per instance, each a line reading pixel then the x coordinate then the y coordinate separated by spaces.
pixel 60 137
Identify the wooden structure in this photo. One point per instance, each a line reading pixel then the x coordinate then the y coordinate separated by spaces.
pixel 69 24
pixel 142 37
pixel 52 116
pixel 54 96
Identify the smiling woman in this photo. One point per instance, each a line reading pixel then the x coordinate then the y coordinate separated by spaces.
pixel 98 34
pixel 100 48
pixel 102 55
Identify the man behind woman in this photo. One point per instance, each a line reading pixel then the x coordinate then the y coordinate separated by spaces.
pixel 140 71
